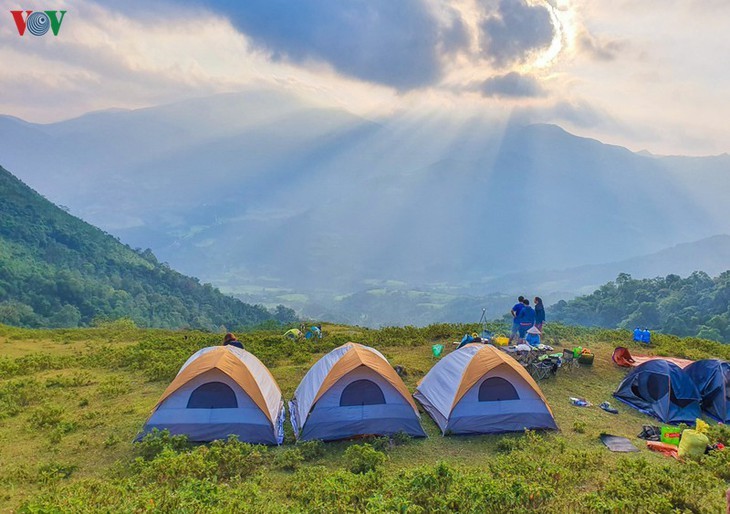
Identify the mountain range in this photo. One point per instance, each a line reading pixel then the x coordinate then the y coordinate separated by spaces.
pixel 268 191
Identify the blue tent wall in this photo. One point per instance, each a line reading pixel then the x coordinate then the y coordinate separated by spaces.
pixel 712 378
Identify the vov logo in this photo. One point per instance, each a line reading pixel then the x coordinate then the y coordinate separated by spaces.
pixel 38 22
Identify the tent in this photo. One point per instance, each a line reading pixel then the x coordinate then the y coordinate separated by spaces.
pixel 293 333
pixel 622 357
pixel 221 391
pixel 353 391
pixel 712 378
pixel 661 389
pixel 481 390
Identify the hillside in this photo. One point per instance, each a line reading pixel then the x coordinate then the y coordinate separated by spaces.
pixel 58 271
pixel 72 400
pixel 697 305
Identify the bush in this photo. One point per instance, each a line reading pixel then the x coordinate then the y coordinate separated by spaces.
pixel 157 441
pixel 17 394
pixel 311 450
pixel 289 459
pixel 54 471
pixel 45 416
pixel 363 458
pixel 114 387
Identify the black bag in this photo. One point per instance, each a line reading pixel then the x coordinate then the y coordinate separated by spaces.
pixel 650 433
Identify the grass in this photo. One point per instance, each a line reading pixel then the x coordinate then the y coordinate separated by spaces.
pixel 71 401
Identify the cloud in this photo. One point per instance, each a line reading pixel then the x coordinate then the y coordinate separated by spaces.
pixel 600 50
pixel 515 31
pixel 396 43
pixel 512 85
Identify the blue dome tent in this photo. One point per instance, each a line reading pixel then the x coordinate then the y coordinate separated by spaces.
pixel 661 389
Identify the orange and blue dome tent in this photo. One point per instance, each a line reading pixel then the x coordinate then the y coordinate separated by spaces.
pixel 221 391
pixel 353 391
pixel 479 389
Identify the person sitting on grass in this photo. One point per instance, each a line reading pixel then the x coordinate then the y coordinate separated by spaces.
pixel 230 340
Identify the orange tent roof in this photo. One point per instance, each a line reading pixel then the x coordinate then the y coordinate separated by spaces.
pixel 221 359
pixel 486 359
pixel 359 355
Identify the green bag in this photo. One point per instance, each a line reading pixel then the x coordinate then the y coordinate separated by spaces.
pixel 577 351
pixel 671 435
pixel 437 349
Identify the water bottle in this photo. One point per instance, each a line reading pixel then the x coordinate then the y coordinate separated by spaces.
pixel 646 336
pixel 638 334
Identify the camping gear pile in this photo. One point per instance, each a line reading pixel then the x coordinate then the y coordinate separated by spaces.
pixel 690 443
pixel 351 391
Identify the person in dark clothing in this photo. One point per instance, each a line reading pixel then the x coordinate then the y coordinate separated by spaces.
pixel 526 318
pixel 515 313
pixel 230 340
pixel 539 313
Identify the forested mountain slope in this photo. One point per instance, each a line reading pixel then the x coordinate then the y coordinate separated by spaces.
pixel 58 271
pixel 698 305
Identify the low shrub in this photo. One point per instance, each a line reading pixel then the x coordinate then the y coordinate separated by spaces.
pixel 311 450
pixel 54 471
pixel 45 416
pixel 362 458
pixel 288 459
pixel 157 441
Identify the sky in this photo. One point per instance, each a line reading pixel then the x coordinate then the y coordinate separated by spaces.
pixel 645 74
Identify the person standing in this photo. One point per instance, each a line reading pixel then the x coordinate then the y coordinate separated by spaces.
pixel 526 318
pixel 515 314
pixel 539 313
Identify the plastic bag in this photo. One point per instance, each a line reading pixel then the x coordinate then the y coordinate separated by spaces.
pixel 692 445
pixel 437 349
pixel 701 426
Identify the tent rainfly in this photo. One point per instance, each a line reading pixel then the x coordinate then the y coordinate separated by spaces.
pixel 712 378
pixel 221 391
pixel 478 389
pixel 353 391
pixel 661 389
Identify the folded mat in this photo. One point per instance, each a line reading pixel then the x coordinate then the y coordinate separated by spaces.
pixel 618 444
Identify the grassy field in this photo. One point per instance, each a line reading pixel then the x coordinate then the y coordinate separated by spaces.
pixel 71 401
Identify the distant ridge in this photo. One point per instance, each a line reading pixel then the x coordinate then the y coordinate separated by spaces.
pixel 710 255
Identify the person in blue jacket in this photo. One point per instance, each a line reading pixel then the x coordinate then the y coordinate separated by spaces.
pixel 539 313
pixel 515 313
pixel 526 318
